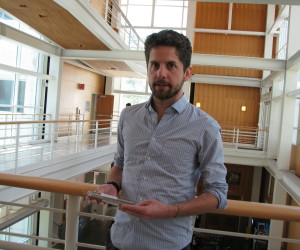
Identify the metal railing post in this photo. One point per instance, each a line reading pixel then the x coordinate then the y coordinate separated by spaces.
pixel 5 129
pixel 233 135
pixel 106 10
pixel 51 140
pixel 17 147
pixel 237 139
pixel 72 222
pixel 77 137
pixel 110 131
pixel 96 134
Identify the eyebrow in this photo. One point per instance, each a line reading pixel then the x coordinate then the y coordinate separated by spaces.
pixel 171 61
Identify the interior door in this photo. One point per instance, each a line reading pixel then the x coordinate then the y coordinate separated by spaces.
pixel 105 108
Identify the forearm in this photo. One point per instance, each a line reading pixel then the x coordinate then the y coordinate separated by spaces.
pixel 202 204
pixel 115 175
pixel 151 209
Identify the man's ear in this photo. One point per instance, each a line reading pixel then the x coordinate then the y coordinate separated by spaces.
pixel 187 73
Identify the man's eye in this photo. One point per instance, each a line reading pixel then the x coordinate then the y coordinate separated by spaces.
pixel 155 65
pixel 171 65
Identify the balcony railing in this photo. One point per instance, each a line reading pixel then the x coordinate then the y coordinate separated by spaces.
pixel 113 15
pixel 75 192
pixel 27 142
pixel 244 137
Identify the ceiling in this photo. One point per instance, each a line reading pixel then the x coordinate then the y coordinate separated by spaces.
pixel 61 27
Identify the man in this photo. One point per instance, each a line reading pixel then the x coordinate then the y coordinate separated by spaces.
pixel 163 144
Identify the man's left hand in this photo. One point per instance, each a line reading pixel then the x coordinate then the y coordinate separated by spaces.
pixel 150 209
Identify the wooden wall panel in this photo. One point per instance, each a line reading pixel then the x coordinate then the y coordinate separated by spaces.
pixel 243 187
pixel 212 15
pixel 71 96
pixel 235 45
pixel 249 17
pixel 295 159
pixel 227 71
pixel 224 103
pixel 267 187
pixel 245 17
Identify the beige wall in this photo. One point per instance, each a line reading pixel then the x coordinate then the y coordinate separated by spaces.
pixel 73 97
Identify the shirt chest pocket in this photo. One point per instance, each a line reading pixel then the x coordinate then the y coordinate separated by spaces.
pixel 178 154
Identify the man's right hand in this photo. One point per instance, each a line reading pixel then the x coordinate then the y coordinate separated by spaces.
pixel 106 189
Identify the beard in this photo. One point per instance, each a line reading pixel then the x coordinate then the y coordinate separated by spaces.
pixel 163 94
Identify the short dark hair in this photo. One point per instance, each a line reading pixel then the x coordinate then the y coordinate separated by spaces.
pixel 173 39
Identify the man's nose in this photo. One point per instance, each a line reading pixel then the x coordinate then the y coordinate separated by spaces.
pixel 162 72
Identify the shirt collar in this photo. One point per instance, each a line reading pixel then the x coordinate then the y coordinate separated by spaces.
pixel 178 106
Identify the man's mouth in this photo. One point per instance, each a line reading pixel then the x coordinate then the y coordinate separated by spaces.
pixel 161 84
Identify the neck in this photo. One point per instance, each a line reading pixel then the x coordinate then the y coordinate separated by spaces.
pixel 160 106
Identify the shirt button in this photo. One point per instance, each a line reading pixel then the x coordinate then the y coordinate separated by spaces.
pixel 145 177
pixel 153 139
pixel 148 158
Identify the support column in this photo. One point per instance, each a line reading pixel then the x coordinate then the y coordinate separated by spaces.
pixel 72 222
pixel 46 221
pixel 54 87
pixel 274 122
pixel 279 197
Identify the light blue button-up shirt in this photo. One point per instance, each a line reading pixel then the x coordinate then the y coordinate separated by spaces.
pixel 162 161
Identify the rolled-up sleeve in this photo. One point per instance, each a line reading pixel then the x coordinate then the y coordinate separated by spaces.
pixel 212 168
pixel 119 155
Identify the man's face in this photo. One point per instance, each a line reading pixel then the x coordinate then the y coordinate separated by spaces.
pixel 165 73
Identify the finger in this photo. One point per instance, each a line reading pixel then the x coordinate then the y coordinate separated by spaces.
pixel 143 216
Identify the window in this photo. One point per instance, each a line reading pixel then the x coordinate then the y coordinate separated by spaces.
pixel 150 16
pixel 129 90
pixel 6 94
pixel 17 24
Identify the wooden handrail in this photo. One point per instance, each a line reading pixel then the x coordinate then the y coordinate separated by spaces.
pixel 15 114
pixel 54 121
pixel 237 208
pixel 46 184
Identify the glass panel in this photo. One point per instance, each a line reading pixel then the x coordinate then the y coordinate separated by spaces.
pixel 21 96
pixel 174 18
pixel 140 15
pixel 8 19
pixel 13 22
pixel 136 85
pixel 139 2
pixel 29 59
pixel 184 21
pixel 8 52
pixel 169 3
pixel 133 99
pixel 30 93
pixel 298 80
pixel 143 33
pixel 124 10
pixel 117 83
pixel 27 29
pixel 7 83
